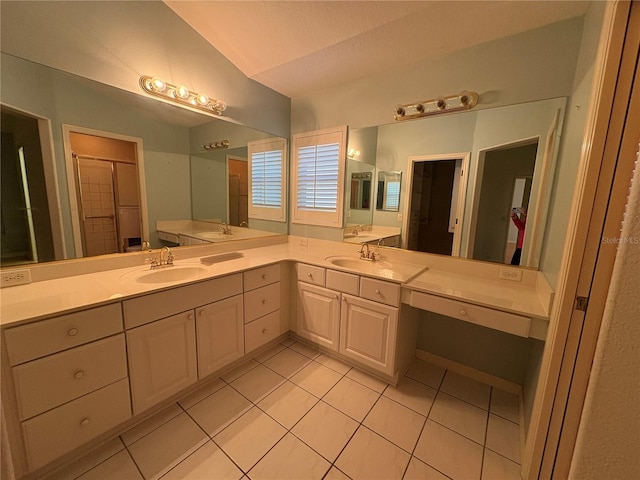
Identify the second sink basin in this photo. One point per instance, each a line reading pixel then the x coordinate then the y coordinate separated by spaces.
pixel 358 264
pixel 176 273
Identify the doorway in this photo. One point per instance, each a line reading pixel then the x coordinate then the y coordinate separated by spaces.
pixel 435 206
pixel 107 187
pixel 238 191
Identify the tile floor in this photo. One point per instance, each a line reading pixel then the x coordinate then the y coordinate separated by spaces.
pixel 294 413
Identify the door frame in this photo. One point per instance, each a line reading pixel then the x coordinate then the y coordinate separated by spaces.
pixel 71 183
pixel 462 195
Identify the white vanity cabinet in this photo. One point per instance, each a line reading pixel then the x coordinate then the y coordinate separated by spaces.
pixel 70 380
pixel 318 318
pixel 261 306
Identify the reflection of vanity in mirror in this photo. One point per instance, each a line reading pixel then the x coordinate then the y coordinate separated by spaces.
pixel 461 180
pixel 171 175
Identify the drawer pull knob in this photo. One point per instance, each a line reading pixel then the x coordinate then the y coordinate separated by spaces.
pixel 463 312
pixel 378 292
pixel 309 275
pixel 78 375
pixel 264 277
pixel 191 317
pixel 201 313
pixel 72 332
pixel 264 330
pixel 264 301
pixel 84 422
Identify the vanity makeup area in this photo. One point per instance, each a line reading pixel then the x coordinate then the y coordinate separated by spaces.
pixel 92 346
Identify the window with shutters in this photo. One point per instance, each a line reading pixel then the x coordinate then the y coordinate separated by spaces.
pixel 267 179
pixel 318 170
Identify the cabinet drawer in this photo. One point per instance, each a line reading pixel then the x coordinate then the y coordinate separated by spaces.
pixel 141 310
pixel 487 317
pixel 59 431
pixel 311 274
pixel 261 331
pixel 261 301
pixel 54 380
pixel 380 291
pixel 60 333
pixel 343 282
pixel 260 277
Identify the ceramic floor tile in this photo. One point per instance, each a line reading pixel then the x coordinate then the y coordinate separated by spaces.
pixel 352 398
pixel 460 416
pixel 333 364
pixel 263 357
pixel 448 452
pixel 425 372
pixel 258 383
pixel 412 394
pixel 316 379
pixel 367 380
pixel 239 371
pixel 326 430
pixel 219 410
pixel 497 467
pixel 305 350
pixel 335 474
pixel 369 456
pixel 251 436
pixel 467 389
pixel 287 342
pixel 503 437
pixel 290 459
pixel 287 404
pixel 88 461
pixel 287 362
pixel 396 423
pixel 150 424
pixel 118 467
pixel 418 470
pixel 201 393
pixel 162 449
pixel 505 405
pixel 206 463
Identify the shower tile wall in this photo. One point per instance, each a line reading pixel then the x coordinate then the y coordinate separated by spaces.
pixel 99 207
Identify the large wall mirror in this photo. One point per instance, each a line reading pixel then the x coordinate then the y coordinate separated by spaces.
pixel 474 184
pixel 155 167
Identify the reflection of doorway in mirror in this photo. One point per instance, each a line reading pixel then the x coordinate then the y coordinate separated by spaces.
pixel 519 205
pixel 238 191
pixel 499 171
pixel 435 203
pixel 106 182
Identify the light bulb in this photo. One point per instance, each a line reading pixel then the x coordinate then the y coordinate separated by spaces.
pixel 220 105
pixel 203 99
pixel 157 84
pixel 182 92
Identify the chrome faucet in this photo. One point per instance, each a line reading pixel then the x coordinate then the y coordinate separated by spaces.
pixel 366 253
pixel 162 261
pixel 244 224
pixel 226 230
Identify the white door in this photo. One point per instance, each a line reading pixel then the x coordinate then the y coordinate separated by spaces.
pixel 162 359
pixel 220 334
pixel 319 315
pixel 368 333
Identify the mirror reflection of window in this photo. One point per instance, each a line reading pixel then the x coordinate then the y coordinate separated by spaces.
pixel 388 196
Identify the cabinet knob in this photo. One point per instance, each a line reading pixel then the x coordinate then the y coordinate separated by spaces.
pixel 78 375
pixel 264 330
pixel 84 422
pixel 463 312
pixel 264 301
pixel 191 317
pixel 309 275
pixel 264 277
pixel 72 332
pixel 201 313
pixel 378 292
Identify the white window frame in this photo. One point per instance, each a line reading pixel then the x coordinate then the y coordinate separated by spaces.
pixel 308 216
pixel 263 212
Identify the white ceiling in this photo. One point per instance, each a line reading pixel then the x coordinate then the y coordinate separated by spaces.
pixel 300 47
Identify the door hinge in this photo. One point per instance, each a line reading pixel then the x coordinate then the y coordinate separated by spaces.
pixel 581 303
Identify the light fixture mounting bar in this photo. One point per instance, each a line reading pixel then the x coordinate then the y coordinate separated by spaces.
pixel 436 106
pixel 181 95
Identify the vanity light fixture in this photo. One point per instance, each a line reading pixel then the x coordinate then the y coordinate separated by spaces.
pixel 216 145
pixel 181 95
pixel 353 154
pixel 435 106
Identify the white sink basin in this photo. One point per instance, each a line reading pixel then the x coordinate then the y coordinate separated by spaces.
pixel 176 273
pixel 358 264
pixel 214 235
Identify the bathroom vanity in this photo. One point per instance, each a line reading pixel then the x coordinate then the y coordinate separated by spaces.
pixel 102 351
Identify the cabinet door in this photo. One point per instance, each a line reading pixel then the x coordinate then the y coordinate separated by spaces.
pixel 318 315
pixel 162 359
pixel 220 328
pixel 368 333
